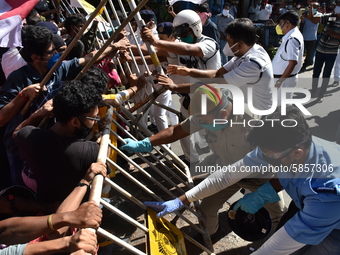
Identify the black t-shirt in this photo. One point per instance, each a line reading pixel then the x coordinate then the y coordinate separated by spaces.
pixel 58 163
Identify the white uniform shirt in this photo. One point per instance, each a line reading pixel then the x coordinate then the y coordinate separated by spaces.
pixel 264 14
pixel 211 53
pixel 291 48
pixel 254 70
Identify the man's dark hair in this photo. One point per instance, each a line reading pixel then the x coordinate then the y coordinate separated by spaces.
pixel 75 98
pixel 33 18
pixel 242 29
pixel 291 16
pixel 226 4
pixel 35 40
pixel 203 7
pixel 77 51
pixel 74 20
pixel 276 137
pixel 98 78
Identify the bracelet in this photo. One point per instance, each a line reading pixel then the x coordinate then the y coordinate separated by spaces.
pixel 23 96
pixel 133 91
pixel 82 184
pixel 49 222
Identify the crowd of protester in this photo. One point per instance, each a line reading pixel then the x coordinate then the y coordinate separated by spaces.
pixel 50 149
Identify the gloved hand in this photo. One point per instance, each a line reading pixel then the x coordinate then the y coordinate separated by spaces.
pixel 136 146
pixel 252 202
pixel 165 207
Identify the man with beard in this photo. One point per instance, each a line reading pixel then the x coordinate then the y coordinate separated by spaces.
pixel 60 156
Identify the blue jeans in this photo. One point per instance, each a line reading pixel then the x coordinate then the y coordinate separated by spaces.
pixel 320 60
pixel 310 52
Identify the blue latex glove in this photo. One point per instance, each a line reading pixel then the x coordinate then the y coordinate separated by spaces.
pixel 252 202
pixel 136 146
pixel 165 207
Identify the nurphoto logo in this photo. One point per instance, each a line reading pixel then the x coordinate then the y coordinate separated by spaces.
pixel 238 105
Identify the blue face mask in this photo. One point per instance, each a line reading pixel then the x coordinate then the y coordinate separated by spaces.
pixel 52 60
pixel 212 128
pixel 188 39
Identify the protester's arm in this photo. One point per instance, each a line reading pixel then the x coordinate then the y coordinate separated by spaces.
pixel 73 201
pixel 136 84
pixel 8 112
pixel 178 48
pixel 310 15
pixel 35 118
pixel 286 73
pixel 83 240
pixel 195 73
pixel 122 44
pixel 145 51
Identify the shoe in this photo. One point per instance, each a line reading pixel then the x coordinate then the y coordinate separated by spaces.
pixel 319 100
pixel 335 84
pixel 303 69
pixel 220 233
pixel 201 151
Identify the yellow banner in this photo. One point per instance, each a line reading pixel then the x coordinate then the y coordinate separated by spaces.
pixel 87 7
pixel 164 237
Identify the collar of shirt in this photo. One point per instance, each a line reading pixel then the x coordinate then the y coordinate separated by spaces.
pixel 285 37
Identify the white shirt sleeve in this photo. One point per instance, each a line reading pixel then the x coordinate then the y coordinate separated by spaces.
pixel 218 181
pixel 280 243
pixel 269 8
pixel 208 47
pixel 246 72
pixel 293 49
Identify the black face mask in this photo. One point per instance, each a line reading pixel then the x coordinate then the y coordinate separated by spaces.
pixel 84 131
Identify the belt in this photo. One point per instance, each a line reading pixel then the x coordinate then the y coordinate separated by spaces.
pixel 279 75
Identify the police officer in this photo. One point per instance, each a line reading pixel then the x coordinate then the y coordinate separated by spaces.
pixel 288 59
pixel 250 66
pixel 227 142
pixel 194 50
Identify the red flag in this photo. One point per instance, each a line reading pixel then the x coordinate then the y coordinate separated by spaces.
pixel 12 13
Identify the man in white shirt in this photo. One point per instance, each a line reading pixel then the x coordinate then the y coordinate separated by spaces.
pixel 288 59
pixel 249 68
pixel 265 12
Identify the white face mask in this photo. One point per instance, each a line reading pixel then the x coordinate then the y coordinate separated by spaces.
pixel 337 10
pixel 227 50
pixel 298 6
pixel 225 12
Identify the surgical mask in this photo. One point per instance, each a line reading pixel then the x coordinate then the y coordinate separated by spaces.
pixel 211 126
pixel 298 6
pixel 314 10
pixel 83 132
pixel 225 12
pixel 227 50
pixel 188 39
pixel 278 28
pixel 289 6
pixel 53 60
